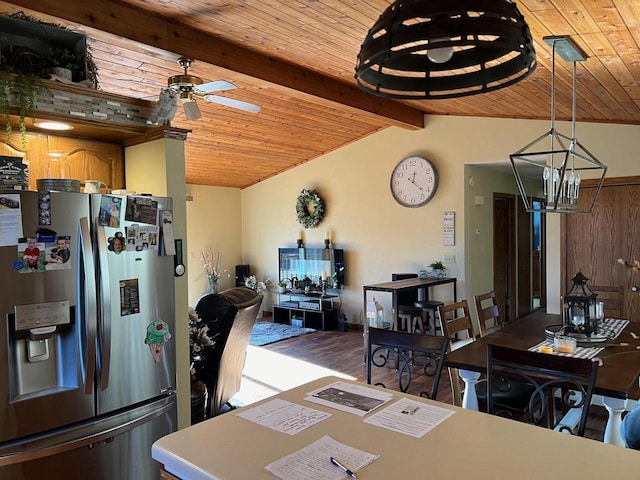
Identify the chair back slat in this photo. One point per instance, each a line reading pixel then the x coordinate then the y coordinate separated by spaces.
pixel 613 298
pixel 488 311
pixel 455 319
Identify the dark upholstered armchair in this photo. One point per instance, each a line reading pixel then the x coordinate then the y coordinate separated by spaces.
pixel 230 316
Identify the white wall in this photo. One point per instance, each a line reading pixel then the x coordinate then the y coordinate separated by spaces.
pixel 215 224
pixel 381 237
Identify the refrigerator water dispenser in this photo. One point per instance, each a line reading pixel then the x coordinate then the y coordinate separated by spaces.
pixel 41 356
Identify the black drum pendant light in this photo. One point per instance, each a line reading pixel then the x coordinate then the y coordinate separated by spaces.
pixel 429 49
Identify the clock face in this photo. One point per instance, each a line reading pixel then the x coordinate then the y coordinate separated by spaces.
pixel 414 181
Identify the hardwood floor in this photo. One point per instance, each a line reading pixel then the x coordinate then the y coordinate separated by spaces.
pixel 281 365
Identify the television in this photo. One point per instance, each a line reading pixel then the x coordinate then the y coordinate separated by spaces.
pixel 311 263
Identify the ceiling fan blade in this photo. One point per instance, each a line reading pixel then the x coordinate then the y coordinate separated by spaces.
pixel 230 102
pixel 191 109
pixel 216 86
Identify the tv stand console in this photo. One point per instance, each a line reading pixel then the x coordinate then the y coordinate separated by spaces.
pixel 309 310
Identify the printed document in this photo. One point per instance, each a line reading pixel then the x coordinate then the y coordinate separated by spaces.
pixel 283 416
pixel 349 398
pixel 410 417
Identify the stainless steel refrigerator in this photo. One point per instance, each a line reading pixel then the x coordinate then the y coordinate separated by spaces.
pixel 87 357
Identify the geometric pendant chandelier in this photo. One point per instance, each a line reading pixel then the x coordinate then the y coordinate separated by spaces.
pixel 552 167
pixel 433 49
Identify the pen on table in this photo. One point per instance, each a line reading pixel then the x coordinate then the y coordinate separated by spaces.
pixel 342 467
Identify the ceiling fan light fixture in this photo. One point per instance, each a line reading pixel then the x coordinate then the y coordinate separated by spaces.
pixel 190 87
pixel 191 109
pixel 430 49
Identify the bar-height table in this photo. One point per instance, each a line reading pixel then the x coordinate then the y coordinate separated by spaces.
pixel 617 381
pixel 405 285
pixel 494 448
pixel 408 284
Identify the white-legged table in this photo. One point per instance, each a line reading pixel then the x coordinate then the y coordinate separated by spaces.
pixel 617 383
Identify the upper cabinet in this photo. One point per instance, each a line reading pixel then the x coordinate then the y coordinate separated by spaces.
pixel 51 156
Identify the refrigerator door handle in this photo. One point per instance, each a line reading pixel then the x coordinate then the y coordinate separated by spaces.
pixel 92 434
pixel 105 302
pixel 88 297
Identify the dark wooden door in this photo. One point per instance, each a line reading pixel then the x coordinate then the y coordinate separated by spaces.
pixel 504 254
pixel 593 243
pixel 524 237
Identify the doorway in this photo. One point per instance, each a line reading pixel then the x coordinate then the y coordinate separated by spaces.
pixel 519 273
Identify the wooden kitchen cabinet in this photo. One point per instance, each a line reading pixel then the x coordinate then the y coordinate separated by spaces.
pixel 83 159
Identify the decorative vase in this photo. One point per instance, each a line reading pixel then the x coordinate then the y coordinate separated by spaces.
pixel 282 289
pixel 65 73
pixel 198 400
pixel 213 285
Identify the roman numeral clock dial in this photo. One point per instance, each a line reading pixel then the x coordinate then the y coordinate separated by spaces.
pixel 414 182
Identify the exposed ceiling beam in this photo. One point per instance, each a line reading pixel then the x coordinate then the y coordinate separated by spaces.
pixel 128 22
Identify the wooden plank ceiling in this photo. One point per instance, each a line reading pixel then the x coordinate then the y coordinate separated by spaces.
pixel 296 58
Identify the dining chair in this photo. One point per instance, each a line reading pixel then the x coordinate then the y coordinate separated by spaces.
pixel 560 385
pixel 423 352
pixel 455 319
pixel 456 324
pixel 613 298
pixel 488 313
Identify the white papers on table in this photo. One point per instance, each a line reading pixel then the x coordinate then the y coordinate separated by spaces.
pixel 313 461
pixel 283 416
pixel 410 417
pixel 349 398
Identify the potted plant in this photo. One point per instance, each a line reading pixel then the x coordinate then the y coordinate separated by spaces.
pixel 437 268
pixel 282 286
pixel 23 68
pixel 64 62
pixel 22 87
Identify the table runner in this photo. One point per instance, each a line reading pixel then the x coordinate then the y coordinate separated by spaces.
pixel 581 352
pixel 612 327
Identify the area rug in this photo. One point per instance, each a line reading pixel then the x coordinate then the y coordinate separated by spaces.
pixel 268 332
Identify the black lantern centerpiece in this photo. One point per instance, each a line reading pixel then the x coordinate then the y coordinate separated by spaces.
pixel 580 308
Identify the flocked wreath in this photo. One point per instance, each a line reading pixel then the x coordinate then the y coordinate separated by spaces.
pixel 309 218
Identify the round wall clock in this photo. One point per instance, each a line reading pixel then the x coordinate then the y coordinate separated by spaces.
pixel 414 182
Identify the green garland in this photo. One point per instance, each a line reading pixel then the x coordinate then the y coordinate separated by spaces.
pixel 305 217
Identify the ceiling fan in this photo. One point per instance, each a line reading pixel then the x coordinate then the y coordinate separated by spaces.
pixel 188 87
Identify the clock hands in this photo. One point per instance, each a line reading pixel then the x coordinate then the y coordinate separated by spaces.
pixel 412 179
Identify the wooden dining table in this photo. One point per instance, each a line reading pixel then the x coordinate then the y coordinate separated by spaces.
pixel 617 386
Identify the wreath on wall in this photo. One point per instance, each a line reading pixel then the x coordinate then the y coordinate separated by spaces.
pixel 309 208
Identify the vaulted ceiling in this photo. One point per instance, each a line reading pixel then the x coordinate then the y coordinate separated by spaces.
pixel 296 58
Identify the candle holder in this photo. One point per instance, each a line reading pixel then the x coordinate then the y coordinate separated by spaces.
pixel 324 286
pixel 327 243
